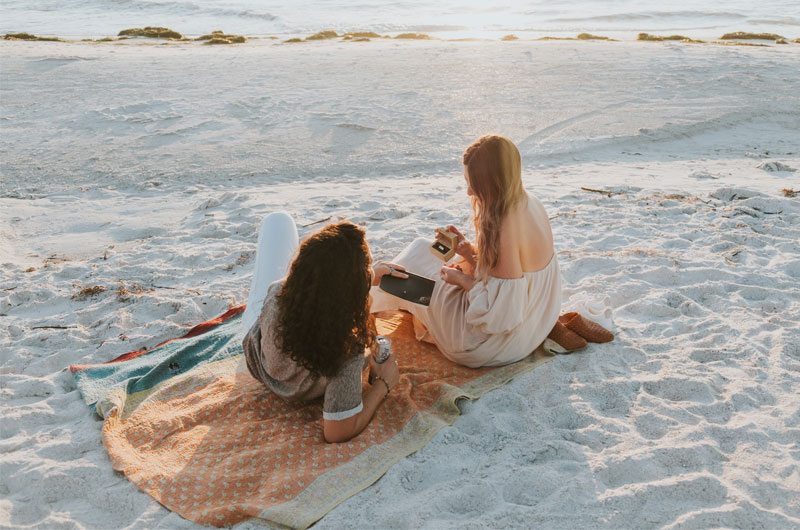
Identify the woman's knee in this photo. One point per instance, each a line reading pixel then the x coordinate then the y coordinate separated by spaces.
pixel 279 222
pixel 279 219
pixel 421 242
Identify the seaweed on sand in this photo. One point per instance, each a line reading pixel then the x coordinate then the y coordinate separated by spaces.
pixel 220 37
pixel 224 41
pixel 361 35
pixel 322 35
pixel 589 36
pixel 28 36
pixel 151 32
pixel 88 292
pixel 734 43
pixel 659 38
pixel 413 36
pixel 510 37
pixel 743 35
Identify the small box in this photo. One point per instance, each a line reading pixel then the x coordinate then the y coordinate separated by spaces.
pixel 445 245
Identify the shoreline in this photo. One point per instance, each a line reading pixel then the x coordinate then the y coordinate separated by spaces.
pixel 747 39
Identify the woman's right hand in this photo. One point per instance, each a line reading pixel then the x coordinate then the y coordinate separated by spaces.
pixel 454 275
pixel 384 268
pixel 387 370
pixel 464 248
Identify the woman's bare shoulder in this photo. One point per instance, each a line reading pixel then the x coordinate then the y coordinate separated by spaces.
pixel 534 204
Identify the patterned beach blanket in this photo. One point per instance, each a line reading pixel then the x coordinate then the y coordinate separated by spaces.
pixel 190 427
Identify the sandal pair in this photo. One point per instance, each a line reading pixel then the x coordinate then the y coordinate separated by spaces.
pixel 572 332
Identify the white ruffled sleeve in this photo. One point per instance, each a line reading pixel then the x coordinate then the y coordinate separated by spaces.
pixel 497 305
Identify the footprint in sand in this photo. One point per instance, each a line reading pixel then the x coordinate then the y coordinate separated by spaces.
pixel 675 389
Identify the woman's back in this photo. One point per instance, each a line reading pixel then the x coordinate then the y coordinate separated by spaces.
pixel 526 240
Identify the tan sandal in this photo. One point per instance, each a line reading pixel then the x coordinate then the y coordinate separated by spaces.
pixel 563 340
pixel 591 331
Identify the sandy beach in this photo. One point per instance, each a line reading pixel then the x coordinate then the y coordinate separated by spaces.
pixel 134 177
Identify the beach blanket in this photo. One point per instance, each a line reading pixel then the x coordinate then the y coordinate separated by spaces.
pixel 190 427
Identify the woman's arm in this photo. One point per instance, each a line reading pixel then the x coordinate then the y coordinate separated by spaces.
pixel 336 431
pixel 385 376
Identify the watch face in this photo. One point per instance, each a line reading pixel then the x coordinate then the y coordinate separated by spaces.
pixel 439 247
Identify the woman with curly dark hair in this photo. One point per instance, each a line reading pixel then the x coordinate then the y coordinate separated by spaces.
pixel 308 324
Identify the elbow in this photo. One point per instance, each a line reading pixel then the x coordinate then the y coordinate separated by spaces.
pixel 336 438
pixel 336 432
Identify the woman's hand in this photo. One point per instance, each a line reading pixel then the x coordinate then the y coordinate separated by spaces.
pixel 454 275
pixel 387 370
pixel 464 248
pixel 382 268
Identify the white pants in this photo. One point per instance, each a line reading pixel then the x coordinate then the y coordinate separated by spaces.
pixel 277 243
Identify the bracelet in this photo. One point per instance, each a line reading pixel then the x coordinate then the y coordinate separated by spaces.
pixel 388 388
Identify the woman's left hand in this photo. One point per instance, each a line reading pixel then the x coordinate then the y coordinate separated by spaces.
pixel 382 268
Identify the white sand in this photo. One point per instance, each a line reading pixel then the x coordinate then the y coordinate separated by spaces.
pixel 149 168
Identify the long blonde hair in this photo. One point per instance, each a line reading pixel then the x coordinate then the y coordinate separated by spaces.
pixel 494 172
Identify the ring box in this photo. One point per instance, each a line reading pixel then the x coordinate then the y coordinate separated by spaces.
pixel 445 245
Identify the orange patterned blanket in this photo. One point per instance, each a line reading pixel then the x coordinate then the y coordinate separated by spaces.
pixel 190 427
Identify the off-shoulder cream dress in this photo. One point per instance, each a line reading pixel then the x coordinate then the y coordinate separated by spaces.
pixel 499 321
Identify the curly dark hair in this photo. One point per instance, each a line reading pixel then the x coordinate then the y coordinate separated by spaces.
pixel 323 307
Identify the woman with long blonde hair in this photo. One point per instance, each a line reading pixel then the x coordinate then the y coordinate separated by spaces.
pixel 497 302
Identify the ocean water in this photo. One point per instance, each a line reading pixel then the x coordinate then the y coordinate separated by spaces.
pixel 445 18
